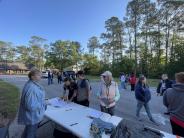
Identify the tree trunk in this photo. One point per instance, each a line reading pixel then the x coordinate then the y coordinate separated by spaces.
pixel 159 45
pixel 130 42
pixel 121 46
pixel 172 48
pixel 167 40
pixel 135 38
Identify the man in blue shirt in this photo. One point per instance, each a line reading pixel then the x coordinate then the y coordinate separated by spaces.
pixel 32 105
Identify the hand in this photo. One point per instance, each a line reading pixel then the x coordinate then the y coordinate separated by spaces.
pixel 65 98
pixel 69 101
pixel 111 100
pixel 47 102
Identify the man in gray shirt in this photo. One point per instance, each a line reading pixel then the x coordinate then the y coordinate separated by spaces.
pixel 174 100
pixel 84 89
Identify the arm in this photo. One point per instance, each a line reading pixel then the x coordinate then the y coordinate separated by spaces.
pixel 165 101
pixel 117 96
pixel 158 88
pixel 65 94
pixel 98 94
pixel 75 92
pixel 88 88
pixel 74 95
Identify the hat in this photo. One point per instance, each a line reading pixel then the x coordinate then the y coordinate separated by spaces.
pixel 141 77
pixel 107 73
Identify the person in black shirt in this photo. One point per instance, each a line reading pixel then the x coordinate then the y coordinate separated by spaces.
pixel 70 90
pixel 59 76
pixel 163 85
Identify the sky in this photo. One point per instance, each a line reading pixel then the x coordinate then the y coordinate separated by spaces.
pixel 75 20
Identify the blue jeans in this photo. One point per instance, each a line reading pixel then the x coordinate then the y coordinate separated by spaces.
pixel 140 104
pixel 30 131
pixel 123 86
pixel 49 81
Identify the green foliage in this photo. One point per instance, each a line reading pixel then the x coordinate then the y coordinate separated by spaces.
pixel 91 64
pixel 177 63
pixel 126 65
pixel 63 54
pixel 113 37
pixel 37 51
pixel 93 44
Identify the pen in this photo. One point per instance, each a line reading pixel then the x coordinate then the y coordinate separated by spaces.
pixel 73 124
pixel 68 109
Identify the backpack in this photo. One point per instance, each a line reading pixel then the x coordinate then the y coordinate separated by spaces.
pixel 83 83
pixel 99 126
pixel 131 129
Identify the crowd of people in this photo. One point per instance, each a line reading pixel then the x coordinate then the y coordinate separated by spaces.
pixel 33 103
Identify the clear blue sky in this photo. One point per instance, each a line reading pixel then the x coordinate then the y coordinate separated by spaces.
pixel 56 19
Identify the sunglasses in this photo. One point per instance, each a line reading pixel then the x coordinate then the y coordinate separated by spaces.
pixel 104 77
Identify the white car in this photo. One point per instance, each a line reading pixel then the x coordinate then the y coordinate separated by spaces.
pixel 45 74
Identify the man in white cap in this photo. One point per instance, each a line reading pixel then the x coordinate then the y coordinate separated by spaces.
pixel 108 94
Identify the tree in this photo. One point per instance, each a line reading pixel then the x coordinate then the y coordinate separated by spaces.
pixel 113 38
pixel 63 54
pixel 3 49
pixel 93 44
pixel 91 64
pixel 37 51
pixel 177 64
pixel 134 10
pixel 128 26
pixel 172 18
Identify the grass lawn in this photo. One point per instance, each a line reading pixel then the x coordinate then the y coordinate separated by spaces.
pixel 151 82
pixel 9 100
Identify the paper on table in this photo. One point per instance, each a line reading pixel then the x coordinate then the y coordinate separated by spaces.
pixel 94 113
pixel 115 120
pixel 56 102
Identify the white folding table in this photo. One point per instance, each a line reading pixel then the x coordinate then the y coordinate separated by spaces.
pixel 75 118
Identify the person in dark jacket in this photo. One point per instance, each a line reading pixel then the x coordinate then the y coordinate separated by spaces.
pixel 163 85
pixel 173 99
pixel 59 76
pixel 143 96
pixel 49 78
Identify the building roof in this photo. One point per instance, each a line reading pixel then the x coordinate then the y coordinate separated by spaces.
pixel 13 66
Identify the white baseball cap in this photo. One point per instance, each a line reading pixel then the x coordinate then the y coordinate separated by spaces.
pixel 107 73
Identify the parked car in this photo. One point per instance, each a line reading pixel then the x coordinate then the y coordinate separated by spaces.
pixel 45 74
pixel 70 74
